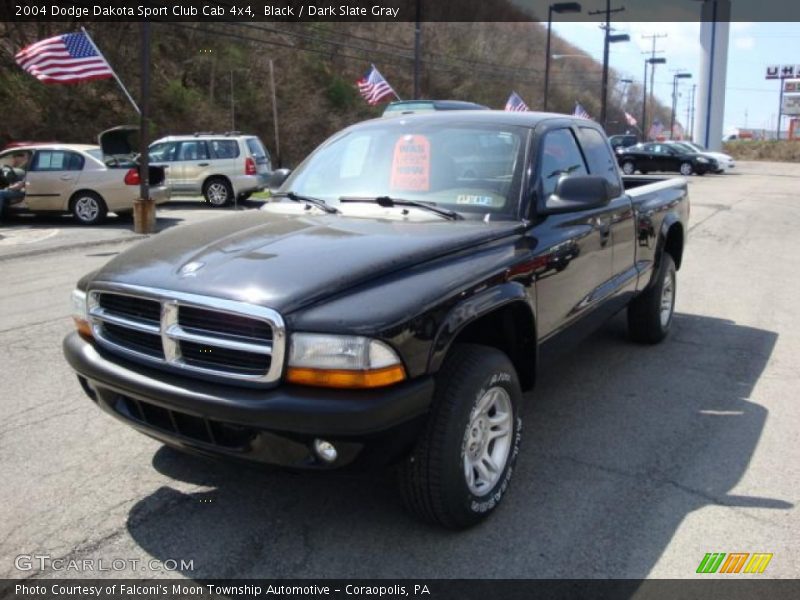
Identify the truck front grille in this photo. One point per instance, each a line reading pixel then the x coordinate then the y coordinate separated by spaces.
pixel 207 336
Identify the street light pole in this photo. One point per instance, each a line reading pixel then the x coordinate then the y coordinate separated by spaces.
pixel 652 62
pixel 561 7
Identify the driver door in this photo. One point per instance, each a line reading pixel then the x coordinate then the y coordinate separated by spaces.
pixel 572 251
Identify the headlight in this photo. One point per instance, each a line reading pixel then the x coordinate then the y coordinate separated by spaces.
pixel 342 361
pixel 700 159
pixel 80 313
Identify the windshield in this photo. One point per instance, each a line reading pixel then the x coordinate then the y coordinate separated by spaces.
pixel 474 169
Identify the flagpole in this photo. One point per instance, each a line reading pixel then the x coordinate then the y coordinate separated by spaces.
pixel 96 49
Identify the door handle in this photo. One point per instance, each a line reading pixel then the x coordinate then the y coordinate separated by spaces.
pixel 66 177
pixel 202 164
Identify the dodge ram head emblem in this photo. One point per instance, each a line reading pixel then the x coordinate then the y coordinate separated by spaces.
pixel 191 268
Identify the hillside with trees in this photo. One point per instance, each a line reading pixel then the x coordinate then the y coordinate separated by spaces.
pixel 215 77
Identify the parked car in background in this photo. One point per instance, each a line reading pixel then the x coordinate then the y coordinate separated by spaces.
pixel 620 142
pixel 661 156
pixel 410 107
pixel 82 179
pixel 725 161
pixel 221 166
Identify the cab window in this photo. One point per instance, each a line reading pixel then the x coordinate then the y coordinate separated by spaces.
pixel 601 160
pixel 560 157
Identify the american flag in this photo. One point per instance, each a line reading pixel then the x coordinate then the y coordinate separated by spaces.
pixel 68 58
pixel 374 88
pixel 580 112
pixel 516 104
pixel 630 119
pixel 655 129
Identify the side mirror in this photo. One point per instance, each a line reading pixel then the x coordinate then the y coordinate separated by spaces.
pixel 580 192
pixel 277 177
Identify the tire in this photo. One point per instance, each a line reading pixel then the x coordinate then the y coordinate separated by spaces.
pixel 475 385
pixel 88 208
pixel 218 192
pixel 686 169
pixel 628 167
pixel 650 314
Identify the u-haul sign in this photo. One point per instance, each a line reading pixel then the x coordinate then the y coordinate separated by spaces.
pixel 783 71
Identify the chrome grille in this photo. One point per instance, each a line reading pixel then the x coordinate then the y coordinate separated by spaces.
pixel 208 336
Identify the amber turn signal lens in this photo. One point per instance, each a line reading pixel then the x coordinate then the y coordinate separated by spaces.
pixel 346 379
pixel 83 327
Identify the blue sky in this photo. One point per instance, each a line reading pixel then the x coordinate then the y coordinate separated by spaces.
pixel 750 99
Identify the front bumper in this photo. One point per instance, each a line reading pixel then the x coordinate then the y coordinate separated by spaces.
pixel 275 426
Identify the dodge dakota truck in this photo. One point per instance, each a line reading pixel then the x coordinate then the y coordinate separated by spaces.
pixel 390 305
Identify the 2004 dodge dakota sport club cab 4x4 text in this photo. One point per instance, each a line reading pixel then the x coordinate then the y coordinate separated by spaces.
pixel 392 308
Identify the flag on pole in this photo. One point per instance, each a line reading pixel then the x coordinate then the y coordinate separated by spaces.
pixel 68 58
pixel 630 119
pixel 580 112
pixel 374 88
pixel 515 103
pixel 655 129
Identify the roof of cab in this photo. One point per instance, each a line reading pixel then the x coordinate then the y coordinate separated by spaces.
pixel 498 117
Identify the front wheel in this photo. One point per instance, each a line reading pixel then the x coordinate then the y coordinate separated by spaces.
pixel 88 208
pixel 461 466
pixel 686 169
pixel 628 167
pixel 650 314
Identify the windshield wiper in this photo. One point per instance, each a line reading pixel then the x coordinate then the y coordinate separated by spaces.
pixel 318 202
pixel 389 202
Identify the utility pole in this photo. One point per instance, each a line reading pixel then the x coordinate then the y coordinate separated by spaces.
pixel 652 62
pixel 606 44
pixel 691 118
pixel 275 113
pixel 417 48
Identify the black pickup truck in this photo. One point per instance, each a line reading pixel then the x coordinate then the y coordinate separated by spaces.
pixel 390 305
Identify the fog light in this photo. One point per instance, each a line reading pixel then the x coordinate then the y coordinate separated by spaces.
pixel 325 450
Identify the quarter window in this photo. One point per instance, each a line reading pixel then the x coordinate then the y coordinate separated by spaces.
pixel 224 148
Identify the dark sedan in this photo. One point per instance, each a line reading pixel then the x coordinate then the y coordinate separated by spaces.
pixel 664 157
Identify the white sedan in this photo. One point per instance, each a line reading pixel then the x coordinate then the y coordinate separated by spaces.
pixel 79 179
pixel 725 161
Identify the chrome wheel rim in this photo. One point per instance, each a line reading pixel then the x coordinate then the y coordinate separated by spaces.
pixel 686 169
pixel 217 194
pixel 87 208
pixel 667 299
pixel 487 441
pixel 628 168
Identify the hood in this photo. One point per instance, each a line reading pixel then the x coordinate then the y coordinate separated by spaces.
pixel 120 142
pixel 286 262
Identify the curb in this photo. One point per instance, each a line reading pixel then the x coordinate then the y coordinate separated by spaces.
pixel 39 251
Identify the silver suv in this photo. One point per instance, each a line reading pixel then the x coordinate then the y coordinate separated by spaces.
pixel 221 167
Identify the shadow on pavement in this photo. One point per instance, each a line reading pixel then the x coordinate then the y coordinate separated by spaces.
pixel 621 442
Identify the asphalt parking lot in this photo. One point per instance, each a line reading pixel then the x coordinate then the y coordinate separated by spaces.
pixel 636 461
